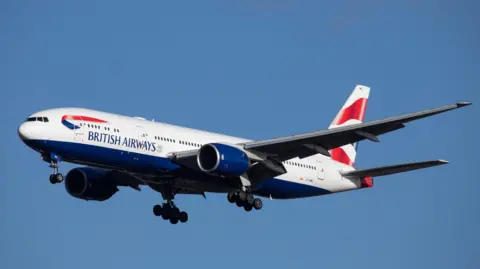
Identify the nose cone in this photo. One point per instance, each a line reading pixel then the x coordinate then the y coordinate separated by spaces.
pixel 24 132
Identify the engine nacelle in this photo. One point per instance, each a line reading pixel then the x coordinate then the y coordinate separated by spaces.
pixel 89 184
pixel 222 160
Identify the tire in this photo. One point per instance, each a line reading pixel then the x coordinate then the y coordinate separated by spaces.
pixel 250 199
pixel 157 210
pixel 58 177
pixel 183 217
pixel 173 220
pixel 167 211
pixel 52 179
pixel 231 196
pixel 175 212
pixel 239 203
pixel 257 204
pixel 247 208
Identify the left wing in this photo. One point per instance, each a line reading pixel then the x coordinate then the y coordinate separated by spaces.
pixel 307 144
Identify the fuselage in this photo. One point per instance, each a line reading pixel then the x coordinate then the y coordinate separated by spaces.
pixel 106 140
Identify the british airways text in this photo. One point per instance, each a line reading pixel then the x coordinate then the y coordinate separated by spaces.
pixel 121 141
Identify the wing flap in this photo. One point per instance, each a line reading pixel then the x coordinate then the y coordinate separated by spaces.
pixel 392 169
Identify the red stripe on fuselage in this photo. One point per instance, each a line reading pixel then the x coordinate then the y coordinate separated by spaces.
pixel 82 118
pixel 354 111
pixel 339 155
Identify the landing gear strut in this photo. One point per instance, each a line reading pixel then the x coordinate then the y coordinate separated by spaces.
pixel 56 177
pixel 245 200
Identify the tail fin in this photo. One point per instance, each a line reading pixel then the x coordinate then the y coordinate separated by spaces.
pixel 352 112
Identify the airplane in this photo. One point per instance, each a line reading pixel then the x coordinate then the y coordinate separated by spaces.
pixel 119 151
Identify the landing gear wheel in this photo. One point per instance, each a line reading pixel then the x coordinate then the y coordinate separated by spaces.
pixel 52 179
pixel 242 196
pixel 167 211
pixel 173 220
pixel 232 197
pixel 250 200
pixel 257 204
pixel 247 207
pixel 183 217
pixel 175 212
pixel 58 177
pixel 157 210
pixel 239 203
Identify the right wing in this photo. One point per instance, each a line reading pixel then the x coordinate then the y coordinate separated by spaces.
pixel 392 169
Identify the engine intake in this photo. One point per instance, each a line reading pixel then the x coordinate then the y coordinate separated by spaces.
pixel 90 184
pixel 222 159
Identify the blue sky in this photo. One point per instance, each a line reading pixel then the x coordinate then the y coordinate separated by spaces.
pixel 255 69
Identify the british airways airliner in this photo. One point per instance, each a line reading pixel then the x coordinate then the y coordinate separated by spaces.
pixel 115 150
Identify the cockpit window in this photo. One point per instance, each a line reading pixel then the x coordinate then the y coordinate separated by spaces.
pixel 42 119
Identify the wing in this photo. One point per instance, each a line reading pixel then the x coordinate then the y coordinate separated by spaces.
pixel 307 144
pixel 320 142
pixel 156 182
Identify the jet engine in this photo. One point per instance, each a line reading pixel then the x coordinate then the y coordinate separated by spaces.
pixel 222 159
pixel 90 184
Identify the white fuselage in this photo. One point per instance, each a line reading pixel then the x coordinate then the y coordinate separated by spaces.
pixel 113 141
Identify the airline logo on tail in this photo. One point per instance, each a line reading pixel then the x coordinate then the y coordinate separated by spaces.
pixel 352 112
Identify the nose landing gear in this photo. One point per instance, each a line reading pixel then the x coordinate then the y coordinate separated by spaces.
pixel 54 159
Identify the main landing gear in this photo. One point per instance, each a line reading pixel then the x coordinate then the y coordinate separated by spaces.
pixel 245 200
pixel 169 211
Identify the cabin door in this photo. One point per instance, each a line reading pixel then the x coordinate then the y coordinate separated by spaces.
pixel 78 130
pixel 320 170
pixel 142 139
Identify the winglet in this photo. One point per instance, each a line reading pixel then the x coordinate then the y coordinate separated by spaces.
pixel 462 104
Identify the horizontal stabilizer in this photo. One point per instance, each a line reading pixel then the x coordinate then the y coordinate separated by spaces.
pixel 393 169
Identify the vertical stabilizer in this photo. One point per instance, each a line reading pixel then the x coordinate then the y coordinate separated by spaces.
pixel 352 112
